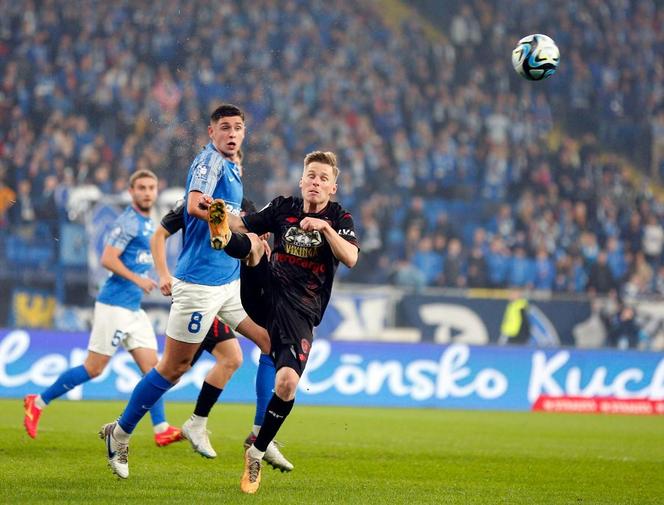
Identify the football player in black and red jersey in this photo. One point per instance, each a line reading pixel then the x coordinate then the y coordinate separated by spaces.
pixel 312 235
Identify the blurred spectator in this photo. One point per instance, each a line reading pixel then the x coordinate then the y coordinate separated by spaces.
pixel 545 271
pixel 430 145
pixel 478 275
pixel 600 279
pixel 427 261
pixel 454 265
pixel 653 239
pixel 623 330
pixel 521 271
pixel 23 211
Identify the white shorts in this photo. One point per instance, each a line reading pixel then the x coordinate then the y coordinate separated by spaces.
pixel 195 305
pixel 113 326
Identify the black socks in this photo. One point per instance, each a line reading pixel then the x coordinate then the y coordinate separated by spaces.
pixel 276 413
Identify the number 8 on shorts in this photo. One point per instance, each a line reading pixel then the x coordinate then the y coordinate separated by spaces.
pixel 195 322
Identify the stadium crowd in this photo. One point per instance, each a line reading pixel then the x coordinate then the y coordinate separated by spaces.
pixel 455 169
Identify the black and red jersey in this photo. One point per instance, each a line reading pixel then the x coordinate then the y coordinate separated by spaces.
pixel 302 264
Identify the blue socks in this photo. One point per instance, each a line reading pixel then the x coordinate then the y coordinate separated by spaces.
pixel 66 382
pixel 146 395
pixel 264 386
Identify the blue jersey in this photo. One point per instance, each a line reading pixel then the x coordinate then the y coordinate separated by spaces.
pixel 211 174
pixel 131 234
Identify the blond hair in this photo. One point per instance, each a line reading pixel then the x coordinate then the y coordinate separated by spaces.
pixel 140 174
pixel 325 157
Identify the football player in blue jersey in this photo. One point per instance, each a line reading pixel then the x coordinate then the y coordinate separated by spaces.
pixel 220 340
pixel 118 317
pixel 206 281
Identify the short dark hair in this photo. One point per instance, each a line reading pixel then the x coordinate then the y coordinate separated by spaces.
pixel 226 110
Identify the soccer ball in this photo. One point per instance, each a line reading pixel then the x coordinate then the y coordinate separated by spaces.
pixel 536 57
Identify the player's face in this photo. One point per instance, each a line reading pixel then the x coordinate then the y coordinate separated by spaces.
pixel 227 135
pixel 144 193
pixel 318 183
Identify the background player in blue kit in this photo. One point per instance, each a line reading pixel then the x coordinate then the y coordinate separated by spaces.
pixel 118 317
pixel 206 281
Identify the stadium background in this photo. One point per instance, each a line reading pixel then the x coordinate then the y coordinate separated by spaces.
pixel 470 187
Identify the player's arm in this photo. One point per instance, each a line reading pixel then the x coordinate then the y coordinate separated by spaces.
pixel 110 260
pixel 197 204
pixel 170 224
pixel 346 252
pixel 158 248
pixel 204 178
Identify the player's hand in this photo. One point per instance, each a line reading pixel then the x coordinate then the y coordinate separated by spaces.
pixel 146 284
pixel 268 249
pixel 313 224
pixel 165 285
pixel 257 250
pixel 204 202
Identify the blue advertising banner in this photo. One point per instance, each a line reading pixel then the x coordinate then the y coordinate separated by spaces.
pixel 364 374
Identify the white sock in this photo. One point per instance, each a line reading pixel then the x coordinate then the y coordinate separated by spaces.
pixel 198 421
pixel 161 427
pixel 120 435
pixel 256 429
pixel 39 403
pixel 255 453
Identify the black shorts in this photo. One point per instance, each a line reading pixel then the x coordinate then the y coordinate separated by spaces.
pixel 291 335
pixel 254 282
pixel 218 332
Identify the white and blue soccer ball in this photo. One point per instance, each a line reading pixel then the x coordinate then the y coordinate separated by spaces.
pixel 536 57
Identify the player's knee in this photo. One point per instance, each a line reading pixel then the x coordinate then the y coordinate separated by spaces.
pixel 263 341
pixel 94 369
pixel 233 362
pixel 181 368
pixel 173 371
pixel 285 388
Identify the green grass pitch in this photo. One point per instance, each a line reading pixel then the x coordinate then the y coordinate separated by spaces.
pixel 343 455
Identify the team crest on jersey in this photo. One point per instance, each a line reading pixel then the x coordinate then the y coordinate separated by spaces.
pixel 303 244
pixel 306 347
pixel 144 257
pixel 201 172
pixel 202 169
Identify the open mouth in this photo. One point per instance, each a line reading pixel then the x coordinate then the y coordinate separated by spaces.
pixel 231 145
